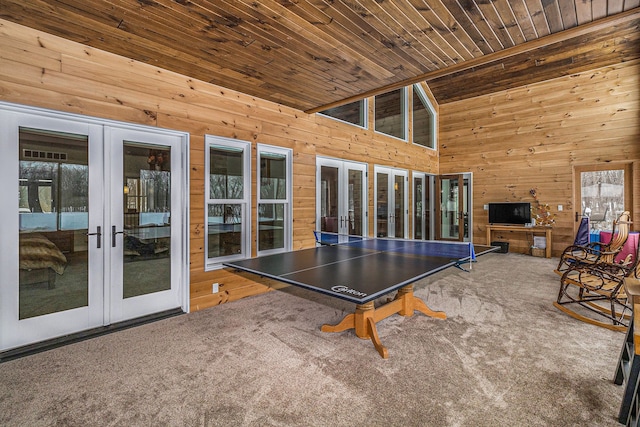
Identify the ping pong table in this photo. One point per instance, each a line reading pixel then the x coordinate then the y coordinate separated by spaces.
pixel 361 270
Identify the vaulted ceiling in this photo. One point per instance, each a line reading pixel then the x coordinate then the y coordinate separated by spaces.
pixel 314 54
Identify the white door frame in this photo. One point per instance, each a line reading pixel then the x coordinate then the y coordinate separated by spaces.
pixel 343 167
pixel 15 332
pixel 391 220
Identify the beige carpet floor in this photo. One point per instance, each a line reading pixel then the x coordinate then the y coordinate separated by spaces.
pixel 503 357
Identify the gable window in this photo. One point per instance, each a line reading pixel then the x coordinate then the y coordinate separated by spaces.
pixel 424 119
pixel 228 190
pixel 274 199
pixel 354 113
pixel 391 113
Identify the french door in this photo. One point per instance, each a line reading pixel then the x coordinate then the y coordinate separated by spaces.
pixel 391 203
pixel 341 197
pixel 95 234
pixel 453 208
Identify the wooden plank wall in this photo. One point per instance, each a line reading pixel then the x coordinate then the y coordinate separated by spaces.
pixel 41 70
pixel 533 137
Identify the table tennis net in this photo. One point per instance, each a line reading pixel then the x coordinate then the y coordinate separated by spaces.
pixel 452 250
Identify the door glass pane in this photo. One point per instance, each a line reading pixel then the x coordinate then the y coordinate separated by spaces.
pixel 449 208
pixel 225 229
pixel 356 204
pixel 428 207
pixel 382 220
pixel 399 208
pixel 418 196
pixel 329 199
pixel 271 226
pixel 602 195
pixel 147 219
pixel 53 216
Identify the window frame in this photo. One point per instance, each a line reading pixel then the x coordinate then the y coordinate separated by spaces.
pixel 365 115
pixel 287 201
pixel 426 102
pixel 212 141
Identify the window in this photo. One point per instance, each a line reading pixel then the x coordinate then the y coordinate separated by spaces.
pixel 354 113
pixel 274 199
pixel 391 113
pixel 424 119
pixel 228 189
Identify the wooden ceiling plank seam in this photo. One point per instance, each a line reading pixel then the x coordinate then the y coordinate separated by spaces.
pixel 568 13
pixel 499 26
pixel 583 12
pixel 447 31
pixel 474 13
pixel 387 25
pixel 368 31
pixel 523 17
pixel 470 9
pixel 538 17
pixel 469 26
pixel 424 32
pixel 315 13
pixel 552 13
pixel 598 9
pixel 359 28
pixel 506 13
pixel 434 12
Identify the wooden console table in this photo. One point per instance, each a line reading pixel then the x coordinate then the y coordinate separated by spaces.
pixel 532 230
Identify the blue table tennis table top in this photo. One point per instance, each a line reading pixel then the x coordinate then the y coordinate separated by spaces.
pixel 360 269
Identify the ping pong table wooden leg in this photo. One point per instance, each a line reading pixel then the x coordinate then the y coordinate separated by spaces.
pixel 364 319
pixel 363 322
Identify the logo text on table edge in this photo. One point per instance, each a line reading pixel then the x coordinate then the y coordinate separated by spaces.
pixel 347 290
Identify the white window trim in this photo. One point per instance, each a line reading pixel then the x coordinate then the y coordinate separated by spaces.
pixel 288 235
pixel 213 141
pixel 405 116
pixel 434 118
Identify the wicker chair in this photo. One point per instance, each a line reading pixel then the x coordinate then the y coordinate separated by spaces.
pixel 589 285
pixel 597 252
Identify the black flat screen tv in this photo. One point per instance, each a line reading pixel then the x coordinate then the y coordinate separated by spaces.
pixel 517 213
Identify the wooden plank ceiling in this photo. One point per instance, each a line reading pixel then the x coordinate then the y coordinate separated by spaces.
pixel 313 54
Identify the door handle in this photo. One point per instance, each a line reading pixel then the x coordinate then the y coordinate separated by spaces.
pixel 98 233
pixel 113 235
pixel 577 217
